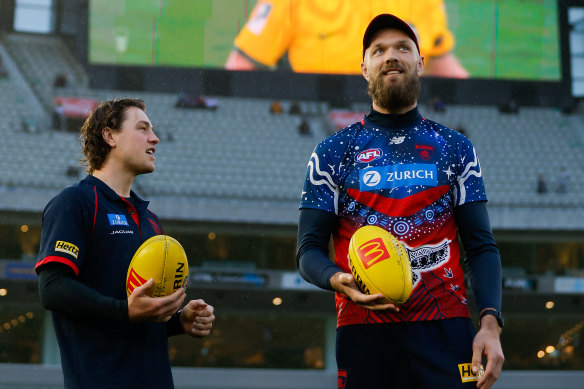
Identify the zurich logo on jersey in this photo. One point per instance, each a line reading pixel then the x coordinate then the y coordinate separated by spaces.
pixel 117 220
pixel 368 155
pixel 389 177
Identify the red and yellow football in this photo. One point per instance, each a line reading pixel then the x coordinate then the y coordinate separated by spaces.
pixel 163 258
pixel 380 264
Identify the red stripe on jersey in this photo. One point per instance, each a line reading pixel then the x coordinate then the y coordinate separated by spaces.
pixel 158 229
pixel 54 258
pixel 399 207
pixel 155 226
pixel 133 213
pixel 95 212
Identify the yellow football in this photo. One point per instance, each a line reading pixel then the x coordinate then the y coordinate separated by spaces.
pixel 162 258
pixel 380 264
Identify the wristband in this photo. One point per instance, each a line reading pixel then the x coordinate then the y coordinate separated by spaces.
pixel 493 312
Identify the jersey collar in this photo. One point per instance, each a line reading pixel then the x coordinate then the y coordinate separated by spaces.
pixel 111 194
pixel 389 120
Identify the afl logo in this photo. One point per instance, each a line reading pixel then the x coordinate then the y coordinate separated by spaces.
pixel 368 155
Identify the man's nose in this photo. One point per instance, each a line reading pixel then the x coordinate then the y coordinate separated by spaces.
pixel 391 55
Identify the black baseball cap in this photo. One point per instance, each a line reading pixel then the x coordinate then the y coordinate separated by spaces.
pixel 383 21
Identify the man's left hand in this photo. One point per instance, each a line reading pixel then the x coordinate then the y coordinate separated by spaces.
pixel 197 318
pixel 488 343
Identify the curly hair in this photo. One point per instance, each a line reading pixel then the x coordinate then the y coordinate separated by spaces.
pixel 109 113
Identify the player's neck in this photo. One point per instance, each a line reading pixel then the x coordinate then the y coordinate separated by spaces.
pixel 398 111
pixel 388 120
pixel 119 180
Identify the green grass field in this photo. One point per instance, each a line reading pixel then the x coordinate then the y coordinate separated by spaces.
pixel 512 39
pixel 165 32
pixel 503 39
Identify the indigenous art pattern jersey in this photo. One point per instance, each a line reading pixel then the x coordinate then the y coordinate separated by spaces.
pixel 407 177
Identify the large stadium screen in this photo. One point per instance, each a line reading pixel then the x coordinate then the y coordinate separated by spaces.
pixel 493 39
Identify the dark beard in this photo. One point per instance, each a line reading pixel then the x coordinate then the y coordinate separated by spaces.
pixel 394 97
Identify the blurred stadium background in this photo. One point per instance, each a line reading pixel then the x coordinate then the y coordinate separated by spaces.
pixel 230 172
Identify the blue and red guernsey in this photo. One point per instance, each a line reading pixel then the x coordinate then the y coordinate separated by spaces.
pixel 95 232
pixel 405 174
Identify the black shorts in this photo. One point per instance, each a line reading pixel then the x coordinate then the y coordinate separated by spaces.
pixel 412 355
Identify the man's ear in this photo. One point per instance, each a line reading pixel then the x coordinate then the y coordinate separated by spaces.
pixel 364 70
pixel 108 136
pixel 420 65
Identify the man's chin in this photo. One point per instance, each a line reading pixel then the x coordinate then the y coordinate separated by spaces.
pixel 145 170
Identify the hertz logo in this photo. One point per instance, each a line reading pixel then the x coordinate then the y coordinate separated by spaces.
pixel 466 374
pixel 372 252
pixel 68 248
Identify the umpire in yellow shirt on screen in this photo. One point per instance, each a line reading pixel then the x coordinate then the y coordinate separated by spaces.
pixel 324 36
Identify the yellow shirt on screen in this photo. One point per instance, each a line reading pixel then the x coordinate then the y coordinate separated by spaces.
pixel 326 36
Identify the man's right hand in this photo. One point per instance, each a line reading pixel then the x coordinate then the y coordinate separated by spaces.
pixel 142 307
pixel 345 283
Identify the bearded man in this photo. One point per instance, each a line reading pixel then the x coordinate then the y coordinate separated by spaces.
pixel 422 182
